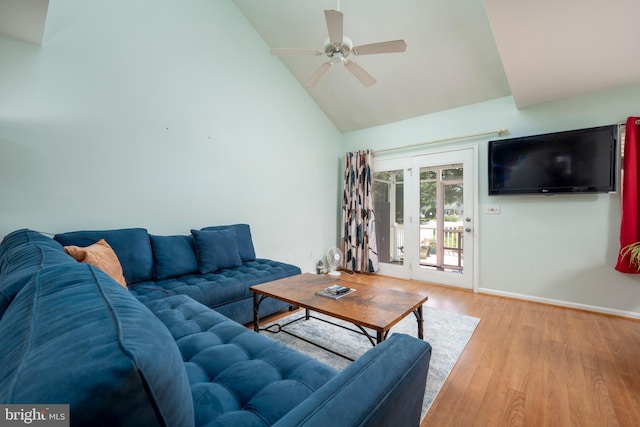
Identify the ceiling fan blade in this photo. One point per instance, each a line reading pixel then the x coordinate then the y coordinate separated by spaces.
pixel 280 51
pixel 334 20
pixel 360 73
pixel 382 47
pixel 318 74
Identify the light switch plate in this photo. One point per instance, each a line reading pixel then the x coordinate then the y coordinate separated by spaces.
pixel 492 209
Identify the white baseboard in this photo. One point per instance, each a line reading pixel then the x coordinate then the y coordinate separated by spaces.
pixel 594 308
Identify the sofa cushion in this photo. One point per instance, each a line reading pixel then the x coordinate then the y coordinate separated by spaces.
pixel 217 288
pixel 22 254
pixel 237 377
pixel 243 238
pixel 23 237
pixel 100 255
pixel 72 335
pixel 216 250
pixel 173 256
pixel 130 244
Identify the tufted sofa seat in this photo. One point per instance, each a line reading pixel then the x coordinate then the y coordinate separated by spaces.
pixel 237 377
pixel 226 290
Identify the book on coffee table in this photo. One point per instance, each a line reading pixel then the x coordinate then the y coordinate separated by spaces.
pixel 335 291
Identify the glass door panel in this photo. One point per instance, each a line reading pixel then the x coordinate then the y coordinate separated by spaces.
pixel 388 187
pixel 441 209
pixel 443 253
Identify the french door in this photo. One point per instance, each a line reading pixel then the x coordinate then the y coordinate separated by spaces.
pixel 425 211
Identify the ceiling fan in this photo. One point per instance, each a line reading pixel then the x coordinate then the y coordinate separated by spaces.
pixel 338 47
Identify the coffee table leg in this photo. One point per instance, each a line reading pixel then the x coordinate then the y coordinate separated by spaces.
pixel 306 314
pixel 256 307
pixel 420 320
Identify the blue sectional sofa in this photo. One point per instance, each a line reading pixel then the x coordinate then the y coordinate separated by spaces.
pixel 71 334
pixel 215 266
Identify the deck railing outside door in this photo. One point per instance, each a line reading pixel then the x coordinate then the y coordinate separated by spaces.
pixel 453 248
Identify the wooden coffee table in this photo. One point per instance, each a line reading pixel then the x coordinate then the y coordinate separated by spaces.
pixel 369 306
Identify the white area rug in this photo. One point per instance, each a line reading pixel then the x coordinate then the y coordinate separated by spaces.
pixel 447 332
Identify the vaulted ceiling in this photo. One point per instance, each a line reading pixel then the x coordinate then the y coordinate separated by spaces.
pixel 458 52
pixel 24 19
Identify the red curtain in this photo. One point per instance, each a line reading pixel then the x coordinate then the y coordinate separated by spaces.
pixel 630 225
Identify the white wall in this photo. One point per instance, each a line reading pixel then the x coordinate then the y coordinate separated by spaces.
pixel 169 118
pixel 177 117
pixel 559 249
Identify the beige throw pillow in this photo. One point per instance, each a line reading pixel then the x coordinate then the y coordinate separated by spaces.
pixel 101 255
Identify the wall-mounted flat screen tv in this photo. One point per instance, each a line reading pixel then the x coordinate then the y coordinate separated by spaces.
pixel 575 161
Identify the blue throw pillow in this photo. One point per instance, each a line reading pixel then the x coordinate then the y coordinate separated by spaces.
pixel 243 237
pixel 216 250
pixel 173 256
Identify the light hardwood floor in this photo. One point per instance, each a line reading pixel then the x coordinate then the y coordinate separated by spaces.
pixel 531 364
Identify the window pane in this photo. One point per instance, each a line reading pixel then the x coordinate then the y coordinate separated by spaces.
pixel 448 174
pixel 453 202
pixel 427 174
pixel 428 205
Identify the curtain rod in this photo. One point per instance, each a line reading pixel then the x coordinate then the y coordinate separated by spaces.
pixel 499 132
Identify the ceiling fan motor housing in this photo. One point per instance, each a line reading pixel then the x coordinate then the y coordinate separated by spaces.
pixel 344 49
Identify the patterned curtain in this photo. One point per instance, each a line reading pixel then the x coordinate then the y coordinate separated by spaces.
pixel 630 224
pixel 358 231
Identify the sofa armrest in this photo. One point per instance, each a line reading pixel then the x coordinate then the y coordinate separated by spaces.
pixel 384 387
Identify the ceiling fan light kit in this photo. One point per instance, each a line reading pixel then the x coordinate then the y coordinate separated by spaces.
pixel 338 47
